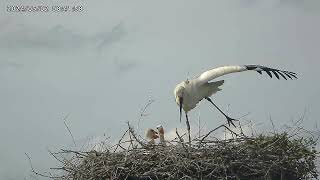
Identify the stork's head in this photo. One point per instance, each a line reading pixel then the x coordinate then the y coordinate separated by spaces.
pixel 160 129
pixel 179 94
pixel 151 134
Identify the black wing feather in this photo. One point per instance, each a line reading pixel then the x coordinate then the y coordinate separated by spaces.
pixel 284 77
pixel 268 72
pixel 276 72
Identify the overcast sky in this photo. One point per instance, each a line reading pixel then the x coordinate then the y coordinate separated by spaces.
pixel 102 65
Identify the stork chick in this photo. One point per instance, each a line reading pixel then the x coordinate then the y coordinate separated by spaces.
pixel 151 136
pixel 161 135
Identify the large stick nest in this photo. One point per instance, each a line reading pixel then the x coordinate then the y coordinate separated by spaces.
pixel 274 156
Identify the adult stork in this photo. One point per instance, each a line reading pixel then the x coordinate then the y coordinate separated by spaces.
pixel 190 92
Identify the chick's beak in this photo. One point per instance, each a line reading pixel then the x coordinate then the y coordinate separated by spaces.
pixel 155 136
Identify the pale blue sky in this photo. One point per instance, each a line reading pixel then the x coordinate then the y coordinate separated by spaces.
pixel 101 66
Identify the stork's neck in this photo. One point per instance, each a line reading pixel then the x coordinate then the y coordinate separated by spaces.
pixel 162 140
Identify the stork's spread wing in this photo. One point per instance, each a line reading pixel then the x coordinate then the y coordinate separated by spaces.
pixel 220 71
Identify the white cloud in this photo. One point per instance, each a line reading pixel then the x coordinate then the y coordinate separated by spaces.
pixel 58 37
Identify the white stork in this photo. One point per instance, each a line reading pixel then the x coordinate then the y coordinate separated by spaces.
pixel 161 135
pixel 188 93
pixel 151 135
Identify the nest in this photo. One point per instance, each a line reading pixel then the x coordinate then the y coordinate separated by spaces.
pixel 274 156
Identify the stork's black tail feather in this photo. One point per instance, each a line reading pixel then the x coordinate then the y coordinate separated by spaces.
pixel 276 72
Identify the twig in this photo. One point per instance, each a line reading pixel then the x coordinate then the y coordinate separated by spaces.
pixel 273 127
pixel 120 140
pixel 74 142
pixel 35 172
pixel 182 141
pixel 143 110
pixel 215 130
pixel 134 135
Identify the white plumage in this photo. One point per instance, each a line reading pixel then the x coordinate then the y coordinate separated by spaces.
pixel 161 135
pixel 151 135
pixel 188 93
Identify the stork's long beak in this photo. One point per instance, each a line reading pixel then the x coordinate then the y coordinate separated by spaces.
pixel 180 103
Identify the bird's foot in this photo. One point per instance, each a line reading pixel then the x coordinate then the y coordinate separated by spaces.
pixel 230 121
